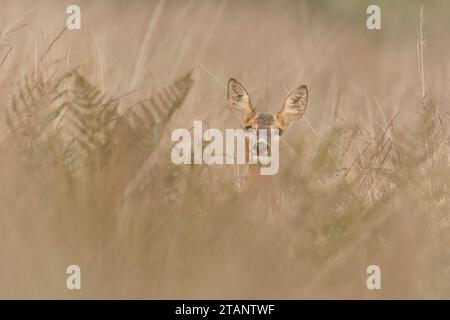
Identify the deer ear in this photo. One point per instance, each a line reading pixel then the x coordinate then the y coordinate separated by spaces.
pixel 294 107
pixel 239 100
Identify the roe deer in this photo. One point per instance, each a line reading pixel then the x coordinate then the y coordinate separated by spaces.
pixel 293 109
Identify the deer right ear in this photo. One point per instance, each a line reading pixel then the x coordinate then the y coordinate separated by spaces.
pixel 239 100
pixel 294 107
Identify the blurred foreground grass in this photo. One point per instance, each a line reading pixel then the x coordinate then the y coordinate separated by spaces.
pixel 86 176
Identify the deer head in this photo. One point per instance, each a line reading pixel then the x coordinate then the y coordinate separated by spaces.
pixel 293 109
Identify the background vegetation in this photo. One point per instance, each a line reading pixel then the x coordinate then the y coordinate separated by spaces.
pixel 85 171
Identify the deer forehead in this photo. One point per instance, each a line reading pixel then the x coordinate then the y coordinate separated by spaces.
pixel 263 120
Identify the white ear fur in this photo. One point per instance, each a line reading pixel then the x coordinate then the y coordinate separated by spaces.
pixel 238 99
pixel 294 107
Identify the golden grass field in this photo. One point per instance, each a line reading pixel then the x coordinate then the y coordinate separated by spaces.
pixel 86 176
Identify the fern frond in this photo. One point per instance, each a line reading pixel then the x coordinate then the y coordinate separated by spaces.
pixel 148 120
pixel 34 106
pixel 89 121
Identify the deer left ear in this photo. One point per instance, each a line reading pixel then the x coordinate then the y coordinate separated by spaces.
pixel 239 100
pixel 294 107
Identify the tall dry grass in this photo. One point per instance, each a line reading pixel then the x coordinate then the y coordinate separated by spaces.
pixel 85 167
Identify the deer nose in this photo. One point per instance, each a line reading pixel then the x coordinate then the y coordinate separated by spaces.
pixel 261 151
pixel 264 152
pixel 263 148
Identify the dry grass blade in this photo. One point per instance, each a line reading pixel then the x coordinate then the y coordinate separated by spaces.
pixel 5 57
pixel 52 44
